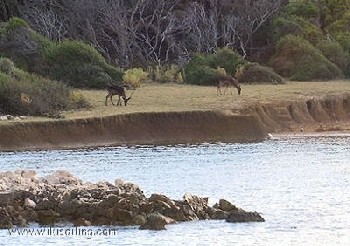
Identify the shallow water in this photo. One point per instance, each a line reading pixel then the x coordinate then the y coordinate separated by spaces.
pixel 301 187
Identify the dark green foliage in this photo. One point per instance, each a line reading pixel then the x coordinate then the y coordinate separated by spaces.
pixel 255 73
pixel 344 40
pixel 26 94
pixel 202 75
pixel 14 23
pixel 22 93
pixel 6 66
pixel 303 8
pixel 298 27
pixel 80 65
pixel 76 63
pixel 225 58
pixel 340 26
pixel 297 59
pixel 335 53
pixel 202 68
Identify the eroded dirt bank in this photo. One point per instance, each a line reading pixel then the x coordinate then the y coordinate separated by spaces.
pixel 141 128
pixel 251 124
pixel 313 114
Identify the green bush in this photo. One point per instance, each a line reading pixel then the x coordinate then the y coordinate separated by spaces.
pixel 202 68
pixel 27 94
pixel 303 8
pixel 344 40
pixel 14 23
pixel 225 58
pixel 297 59
pixel 340 26
pixel 335 53
pixel 320 12
pixel 6 65
pixel 255 73
pixel 76 63
pixel 80 65
pixel 202 75
pixel 297 26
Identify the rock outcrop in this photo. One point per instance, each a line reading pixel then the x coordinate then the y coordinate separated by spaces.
pixel 61 197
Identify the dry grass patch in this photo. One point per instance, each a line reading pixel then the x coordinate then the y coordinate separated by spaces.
pixel 175 97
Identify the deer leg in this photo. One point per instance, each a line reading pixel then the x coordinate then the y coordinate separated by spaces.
pixel 225 89
pixel 106 99
pixel 119 103
pixel 112 99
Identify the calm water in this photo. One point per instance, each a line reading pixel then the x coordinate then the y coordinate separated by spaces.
pixel 301 187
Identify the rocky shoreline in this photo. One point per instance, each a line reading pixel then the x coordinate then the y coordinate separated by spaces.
pixel 62 198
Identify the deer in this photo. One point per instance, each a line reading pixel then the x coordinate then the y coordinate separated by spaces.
pixel 227 82
pixel 118 90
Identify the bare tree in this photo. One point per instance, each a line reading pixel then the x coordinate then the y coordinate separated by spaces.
pixel 147 32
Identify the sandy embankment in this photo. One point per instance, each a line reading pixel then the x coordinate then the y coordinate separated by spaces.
pixel 251 124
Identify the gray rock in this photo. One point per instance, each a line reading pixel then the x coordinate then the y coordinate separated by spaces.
pixel 156 221
pixel 243 216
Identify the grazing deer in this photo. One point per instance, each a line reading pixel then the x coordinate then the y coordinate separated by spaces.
pixel 227 82
pixel 118 90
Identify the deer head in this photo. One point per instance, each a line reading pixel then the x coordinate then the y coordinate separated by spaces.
pixel 127 99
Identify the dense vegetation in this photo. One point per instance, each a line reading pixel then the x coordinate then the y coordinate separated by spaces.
pixel 29 94
pixel 87 43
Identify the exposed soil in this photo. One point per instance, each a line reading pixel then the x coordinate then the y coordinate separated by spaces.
pixel 249 122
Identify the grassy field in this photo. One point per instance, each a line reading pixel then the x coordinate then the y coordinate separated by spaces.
pixel 175 97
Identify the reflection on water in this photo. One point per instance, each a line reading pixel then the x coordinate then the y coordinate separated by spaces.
pixel 300 186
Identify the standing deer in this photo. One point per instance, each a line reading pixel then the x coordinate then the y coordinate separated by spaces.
pixel 227 82
pixel 118 90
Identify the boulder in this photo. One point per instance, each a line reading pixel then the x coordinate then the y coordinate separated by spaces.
pixel 225 205
pixel 243 216
pixel 5 219
pixel 82 222
pixel 156 221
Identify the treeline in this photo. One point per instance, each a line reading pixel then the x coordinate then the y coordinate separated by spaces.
pixel 148 33
pixel 141 33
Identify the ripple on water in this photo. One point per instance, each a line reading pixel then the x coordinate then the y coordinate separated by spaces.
pixel 300 185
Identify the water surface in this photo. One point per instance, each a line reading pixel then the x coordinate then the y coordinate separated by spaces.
pixel 301 187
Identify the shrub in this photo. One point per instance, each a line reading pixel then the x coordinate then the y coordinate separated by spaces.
pixel 14 23
pixel 225 58
pixel 202 68
pixel 298 27
pixel 165 74
pixel 254 72
pixel 74 62
pixel 335 53
pixel 340 26
pixel 6 65
pixel 297 59
pixel 27 94
pixel 80 65
pixel 202 75
pixel 77 100
pixel 344 40
pixel 134 77
pixel 303 8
